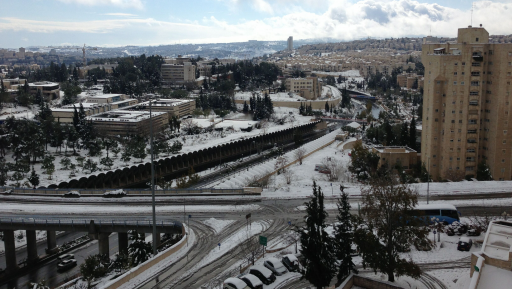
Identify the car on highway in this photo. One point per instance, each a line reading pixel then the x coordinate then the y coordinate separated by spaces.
pixel 464 244
pixel 252 281
pixel 66 257
pixel 275 266
pixel 234 283
pixel 290 262
pixel 264 274
pixel 66 264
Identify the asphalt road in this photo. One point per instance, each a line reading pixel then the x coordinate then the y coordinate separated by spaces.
pixel 48 270
pixel 278 213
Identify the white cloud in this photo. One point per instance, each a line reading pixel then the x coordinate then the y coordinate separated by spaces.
pixel 120 3
pixel 262 6
pixel 120 14
pixel 341 20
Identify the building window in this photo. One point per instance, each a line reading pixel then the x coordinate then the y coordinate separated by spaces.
pixel 474 83
pixel 455 83
pixel 470 150
pixel 455 73
pixel 451 140
pixel 453 121
pixel 470 159
pixel 504 142
pixel 475 64
pixel 469 169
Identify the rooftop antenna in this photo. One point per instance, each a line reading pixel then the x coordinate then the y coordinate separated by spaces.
pixel 472 6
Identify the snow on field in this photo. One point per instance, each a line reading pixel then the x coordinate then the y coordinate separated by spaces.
pixel 112 210
pixel 218 225
pixel 279 96
pixel 269 166
pixel 348 73
pixel 226 245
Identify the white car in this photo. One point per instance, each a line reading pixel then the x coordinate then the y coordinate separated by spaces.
pixel 252 281
pixel 275 266
pixel 234 283
pixel 66 257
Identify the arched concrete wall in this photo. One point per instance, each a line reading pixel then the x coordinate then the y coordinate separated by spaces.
pixel 178 165
pixel 316 104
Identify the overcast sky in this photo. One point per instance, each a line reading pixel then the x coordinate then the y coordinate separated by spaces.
pixel 153 22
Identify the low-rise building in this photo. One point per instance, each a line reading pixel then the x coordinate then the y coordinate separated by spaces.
pixel 50 90
pixel 178 73
pixel 125 122
pixel 93 105
pixel 308 88
pixel 392 155
pixel 174 107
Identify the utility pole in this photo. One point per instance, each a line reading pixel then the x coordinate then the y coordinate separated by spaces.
pixel 152 182
pixel 428 177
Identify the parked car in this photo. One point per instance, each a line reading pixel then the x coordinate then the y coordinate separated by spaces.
pixel 234 283
pixel 252 281
pixel 264 274
pixel 473 232
pixel 67 264
pixel 291 262
pixel 66 257
pixel 464 244
pixel 275 266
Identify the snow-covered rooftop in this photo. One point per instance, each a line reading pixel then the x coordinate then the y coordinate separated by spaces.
pixel 435 207
pixel 124 115
pixel 166 102
pixel 354 125
pixel 498 240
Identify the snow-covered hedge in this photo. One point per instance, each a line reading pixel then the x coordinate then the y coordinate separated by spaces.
pixel 115 194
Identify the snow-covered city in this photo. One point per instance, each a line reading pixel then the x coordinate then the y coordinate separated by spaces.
pixel 256 145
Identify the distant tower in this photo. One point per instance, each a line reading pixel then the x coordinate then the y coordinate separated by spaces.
pixel 290 43
pixel 21 53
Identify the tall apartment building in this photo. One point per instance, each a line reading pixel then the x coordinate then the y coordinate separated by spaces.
pixel 467 106
pixel 290 43
pixel 178 73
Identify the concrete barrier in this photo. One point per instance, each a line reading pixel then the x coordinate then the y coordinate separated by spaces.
pixel 140 269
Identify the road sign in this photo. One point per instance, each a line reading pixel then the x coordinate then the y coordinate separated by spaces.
pixel 289 223
pixel 476 268
pixel 189 216
pixel 248 216
pixel 263 240
pixel 434 232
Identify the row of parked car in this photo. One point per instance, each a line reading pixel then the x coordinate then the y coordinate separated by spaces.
pixel 263 274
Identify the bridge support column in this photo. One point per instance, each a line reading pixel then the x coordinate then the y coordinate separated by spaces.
pixel 51 242
pixel 31 246
pixel 158 240
pixel 123 242
pixel 10 252
pixel 103 243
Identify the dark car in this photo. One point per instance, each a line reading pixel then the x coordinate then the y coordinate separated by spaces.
pixel 465 244
pixel 291 262
pixel 66 264
pixel 264 274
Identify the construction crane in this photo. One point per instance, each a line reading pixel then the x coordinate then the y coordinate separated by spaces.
pixel 84 53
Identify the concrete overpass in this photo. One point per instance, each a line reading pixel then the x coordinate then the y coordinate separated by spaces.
pixel 98 229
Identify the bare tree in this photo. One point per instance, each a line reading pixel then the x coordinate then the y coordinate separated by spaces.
pixel 190 127
pixel 454 176
pixel 288 175
pixel 249 248
pixel 280 164
pixel 335 169
pixel 299 154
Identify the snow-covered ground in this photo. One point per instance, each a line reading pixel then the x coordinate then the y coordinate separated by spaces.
pixel 226 245
pixel 190 143
pixel 241 180
pixel 218 225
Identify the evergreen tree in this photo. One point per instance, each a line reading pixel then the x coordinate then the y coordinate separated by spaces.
pixel 316 245
pixel 343 237
pixel 139 251
pixel 34 178
pixel 389 133
pixel 404 134
pixel 48 165
pixel 483 172
pixel 388 228
pixel 302 108
pixel 327 108
pixel 412 134
pixel 245 107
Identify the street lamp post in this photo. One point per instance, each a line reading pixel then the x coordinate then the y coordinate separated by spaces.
pixel 428 178
pixel 152 183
